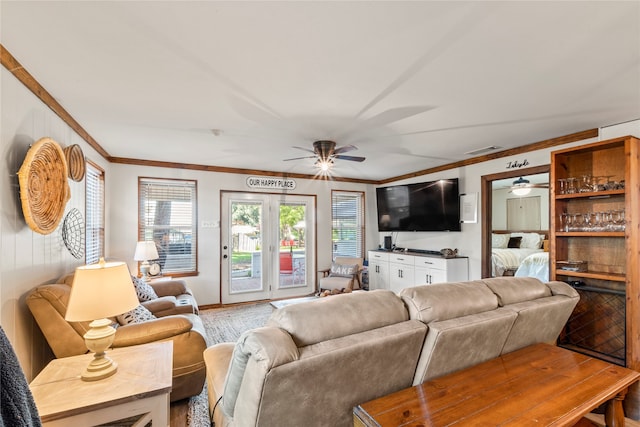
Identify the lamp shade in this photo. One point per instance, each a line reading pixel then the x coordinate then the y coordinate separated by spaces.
pixel 101 290
pixel 146 251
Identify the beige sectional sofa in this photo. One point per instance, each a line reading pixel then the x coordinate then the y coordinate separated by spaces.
pixel 314 361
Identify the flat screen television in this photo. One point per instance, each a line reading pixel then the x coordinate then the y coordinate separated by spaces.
pixel 426 206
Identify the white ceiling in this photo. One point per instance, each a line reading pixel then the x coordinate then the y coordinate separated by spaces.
pixel 412 84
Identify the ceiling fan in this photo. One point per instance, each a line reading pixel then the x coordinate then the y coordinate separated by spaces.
pixel 326 152
pixel 522 186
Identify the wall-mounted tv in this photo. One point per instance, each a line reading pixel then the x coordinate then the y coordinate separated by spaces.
pixel 426 206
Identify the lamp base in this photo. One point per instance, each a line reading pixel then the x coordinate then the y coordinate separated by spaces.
pixel 144 270
pixel 99 368
pixel 98 339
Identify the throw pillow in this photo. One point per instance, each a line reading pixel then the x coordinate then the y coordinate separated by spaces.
pixel 140 314
pixel 144 290
pixel 499 240
pixel 514 242
pixel 343 270
pixel 529 240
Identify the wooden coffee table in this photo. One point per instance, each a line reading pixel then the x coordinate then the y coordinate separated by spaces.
pixel 540 385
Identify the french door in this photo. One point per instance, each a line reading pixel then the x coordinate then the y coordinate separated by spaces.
pixel 267 246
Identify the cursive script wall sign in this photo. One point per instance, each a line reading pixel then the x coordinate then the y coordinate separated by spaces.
pixel 517 164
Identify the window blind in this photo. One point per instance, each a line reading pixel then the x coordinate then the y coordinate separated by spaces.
pixel 167 216
pixel 347 216
pixel 94 212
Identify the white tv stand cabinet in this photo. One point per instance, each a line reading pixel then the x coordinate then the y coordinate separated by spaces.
pixel 398 270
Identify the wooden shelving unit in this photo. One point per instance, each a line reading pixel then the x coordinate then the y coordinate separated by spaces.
pixel 606 322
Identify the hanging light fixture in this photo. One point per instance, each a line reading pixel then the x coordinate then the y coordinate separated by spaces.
pixel 521 187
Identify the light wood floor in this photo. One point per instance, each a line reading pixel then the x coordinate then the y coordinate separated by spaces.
pixel 178 414
pixel 598 420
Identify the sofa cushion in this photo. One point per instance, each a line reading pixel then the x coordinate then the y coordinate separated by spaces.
pixel 140 314
pixel 144 291
pixel 338 316
pixel 444 301
pixel 511 290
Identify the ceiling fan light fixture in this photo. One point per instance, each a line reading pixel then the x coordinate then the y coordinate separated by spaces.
pixel 521 187
pixel 324 164
pixel 521 191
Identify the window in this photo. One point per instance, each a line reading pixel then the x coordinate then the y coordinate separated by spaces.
pixel 347 214
pixel 167 215
pixel 94 207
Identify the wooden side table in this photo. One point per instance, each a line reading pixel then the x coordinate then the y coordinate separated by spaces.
pixel 139 390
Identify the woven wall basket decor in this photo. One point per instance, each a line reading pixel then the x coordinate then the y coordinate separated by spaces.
pixel 44 190
pixel 73 233
pixel 75 162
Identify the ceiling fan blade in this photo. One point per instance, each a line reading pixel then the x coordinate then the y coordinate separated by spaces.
pixel 303 149
pixel 351 158
pixel 299 158
pixel 384 118
pixel 345 149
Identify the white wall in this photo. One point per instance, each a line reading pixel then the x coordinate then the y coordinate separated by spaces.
pixel 28 258
pixel 499 202
pixel 122 191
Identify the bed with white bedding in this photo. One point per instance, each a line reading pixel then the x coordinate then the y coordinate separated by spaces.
pixel 535 265
pixel 510 249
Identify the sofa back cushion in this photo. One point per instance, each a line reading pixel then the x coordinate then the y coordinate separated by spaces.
pixel 512 290
pixel 458 343
pixel 541 319
pixel 338 316
pixel 444 301
pixel 323 384
pixel 48 304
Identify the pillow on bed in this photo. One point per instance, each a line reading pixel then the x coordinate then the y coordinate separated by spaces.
pixel 499 240
pixel 529 240
pixel 514 242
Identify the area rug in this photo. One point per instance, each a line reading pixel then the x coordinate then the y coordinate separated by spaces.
pixel 224 325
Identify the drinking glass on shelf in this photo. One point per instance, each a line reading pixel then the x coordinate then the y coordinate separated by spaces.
pixel 562 186
pixel 588 221
pixel 565 221
pixel 571 185
pixel 585 184
pixel 599 221
pixel 619 220
pixel 577 222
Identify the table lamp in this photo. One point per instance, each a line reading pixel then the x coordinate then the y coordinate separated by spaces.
pixel 99 291
pixel 145 251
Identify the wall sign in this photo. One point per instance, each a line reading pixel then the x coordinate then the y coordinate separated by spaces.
pixel 270 183
pixel 517 164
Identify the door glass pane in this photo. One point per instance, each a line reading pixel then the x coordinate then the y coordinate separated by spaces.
pixel 292 253
pixel 246 253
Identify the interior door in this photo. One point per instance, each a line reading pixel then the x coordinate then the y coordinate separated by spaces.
pixel 267 246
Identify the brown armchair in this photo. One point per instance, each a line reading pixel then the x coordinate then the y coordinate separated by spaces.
pixel 48 304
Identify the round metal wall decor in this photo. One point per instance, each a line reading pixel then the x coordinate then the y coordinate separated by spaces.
pixel 75 162
pixel 44 190
pixel 73 233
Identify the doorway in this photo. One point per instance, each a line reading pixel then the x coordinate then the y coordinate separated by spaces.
pixel 487 208
pixel 267 246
